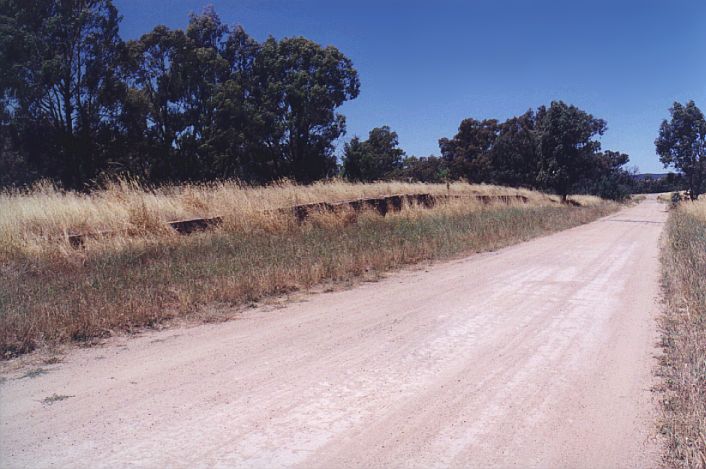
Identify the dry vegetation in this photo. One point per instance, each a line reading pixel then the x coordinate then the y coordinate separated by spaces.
pixel 146 273
pixel 684 335
pixel 41 217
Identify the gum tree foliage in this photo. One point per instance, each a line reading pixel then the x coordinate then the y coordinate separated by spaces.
pixel 202 103
pixel 306 83
pixel 467 154
pixel 606 177
pixel 514 154
pixel 566 145
pixel 59 82
pixel 209 102
pixel 376 158
pixel 553 148
pixel 682 144
pixel 422 169
pixel 223 105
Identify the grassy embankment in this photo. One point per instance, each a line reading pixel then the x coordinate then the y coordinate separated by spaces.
pixel 684 335
pixel 144 273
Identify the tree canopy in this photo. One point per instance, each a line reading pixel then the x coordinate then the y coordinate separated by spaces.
pixel 682 144
pixel 467 154
pixel 201 103
pixel 566 145
pixel 60 83
pixel 554 148
pixel 210 102
pixel 376 158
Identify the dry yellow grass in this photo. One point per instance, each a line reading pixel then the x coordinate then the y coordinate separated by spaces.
pixel 684 335
pixel 695 209
pixel 40 218
pixel 665 197
pixel 145 273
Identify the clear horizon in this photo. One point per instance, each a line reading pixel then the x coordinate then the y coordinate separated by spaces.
pixel 424 67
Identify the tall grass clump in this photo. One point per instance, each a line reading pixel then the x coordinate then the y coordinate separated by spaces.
pixel 40 218
pixel 144 273
pixel 684 335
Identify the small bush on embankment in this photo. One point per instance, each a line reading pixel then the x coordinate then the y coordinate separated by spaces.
pixel 684 335
pixel 147 274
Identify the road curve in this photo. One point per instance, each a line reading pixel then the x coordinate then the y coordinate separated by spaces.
pixel 538 355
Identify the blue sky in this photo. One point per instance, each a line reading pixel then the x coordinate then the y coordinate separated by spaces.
pixel 425 66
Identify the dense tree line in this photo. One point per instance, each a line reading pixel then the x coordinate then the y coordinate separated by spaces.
pixel 201 103
pixel 207 102
pixel 554 148
pixel 650 184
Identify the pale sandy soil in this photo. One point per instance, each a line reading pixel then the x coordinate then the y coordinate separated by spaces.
pixel 537 355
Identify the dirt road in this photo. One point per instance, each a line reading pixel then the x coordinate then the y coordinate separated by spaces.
pixel 537 355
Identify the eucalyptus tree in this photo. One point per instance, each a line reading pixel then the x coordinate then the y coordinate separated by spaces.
pixel 376 158
pixel 467 154
pixel 200 103
pixel 554 148
pixel 300 86
pixel 216 103
pixel 514 154
pixel 59 62
pixel 682 144
pixel 566 145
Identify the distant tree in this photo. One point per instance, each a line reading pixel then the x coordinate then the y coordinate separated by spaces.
pixel 553 148
pixel 300 86
pixel 59 62
pixel 355 155
pixel 566 145
pixel 373 159
pixel 673 179
pixel 210 102
pixel 648 184
pixel 153 117
pixel 181 91
pixel 200 103
pixel 202 70
pixel 14 169
pixel 424 169
pixel 242 129
pixel 682 144
pixel 513 156
pixel 467 153
pixel 606 176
